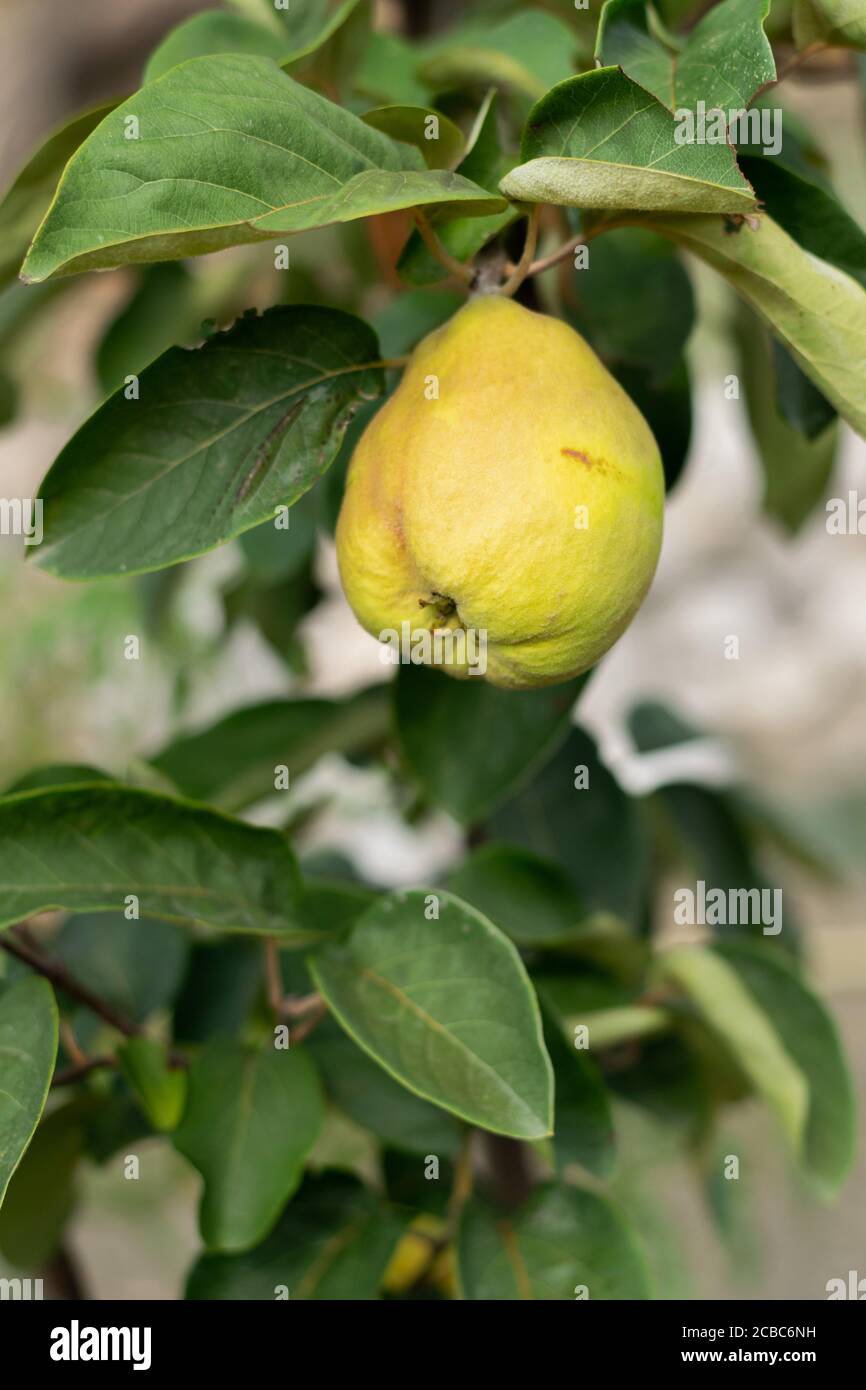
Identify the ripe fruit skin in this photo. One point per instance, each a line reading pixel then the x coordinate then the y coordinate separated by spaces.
pixel 461 510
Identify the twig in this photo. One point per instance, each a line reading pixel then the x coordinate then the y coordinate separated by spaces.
pixel 70 1042
pixel 439 252
pixel 58 975
pixel 66 1076
pixel 524 265
pixel 273 979
pixel 314 1017
pixel 464 1177
pixel 555 257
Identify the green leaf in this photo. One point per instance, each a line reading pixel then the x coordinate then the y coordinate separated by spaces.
pixel 159 1089
pixel 412 123
pixel 583 1123
pixel 810 1038
pixel 797 400
pixel 741 1023
pixel 334 1241
pixel 724 61
pixel 219 990
pixel 838 22
pixel 228 150
pixel 626 40
pixel 594 832
pixel 601 141
pixel 159 314
pixel 528 52
pixel 445 1006
pixel 667 408
pixel 561 1239
pixel 26 201
pixel 214 31
pixel 386 71
pixel 529 898
pixel 232 763
pixel 137 966
pixel 370 1097
pixel 797 470
pixel 86 849
pixel 816 310
pixel 251 1119
pixel 325 909
pixel 534 902
pixel 245 424
pixel 485 163
pixel 41 1195
pixel 635 302
pixel 57 775
pixel 509 732
pixel 28 1048
pixel 809 214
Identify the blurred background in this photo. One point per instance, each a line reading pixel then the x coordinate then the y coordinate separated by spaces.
pixel 786 717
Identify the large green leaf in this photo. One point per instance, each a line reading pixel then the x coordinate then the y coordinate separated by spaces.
pixel 28 1048
pixel 217 440
pixel 87 849
pixel 838 22
pixel 738 1018
pixel 334 1241
pixel 446 1007
pixel 252 1116
pixel 810 1038
pixel 25 202
pixel 816 310
pixel 376 1101
pixel 562 1239
pixel 228 150
pixel 439 720
pixel 232 762
pixel 725 59
pixel 593 831
pixel 601 141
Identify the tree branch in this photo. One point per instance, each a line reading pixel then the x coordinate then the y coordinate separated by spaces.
pixel 58 975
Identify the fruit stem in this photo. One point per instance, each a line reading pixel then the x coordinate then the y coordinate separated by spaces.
pixel 439 252
pixel 524 265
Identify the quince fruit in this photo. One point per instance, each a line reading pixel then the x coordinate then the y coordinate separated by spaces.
pixel 503 510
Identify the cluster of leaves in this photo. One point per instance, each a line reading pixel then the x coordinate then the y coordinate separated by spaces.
pixel 435 1018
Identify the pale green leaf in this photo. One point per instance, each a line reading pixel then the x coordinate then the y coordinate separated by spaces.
pixel 739 1020
pixel 816 310
pixel 601 141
